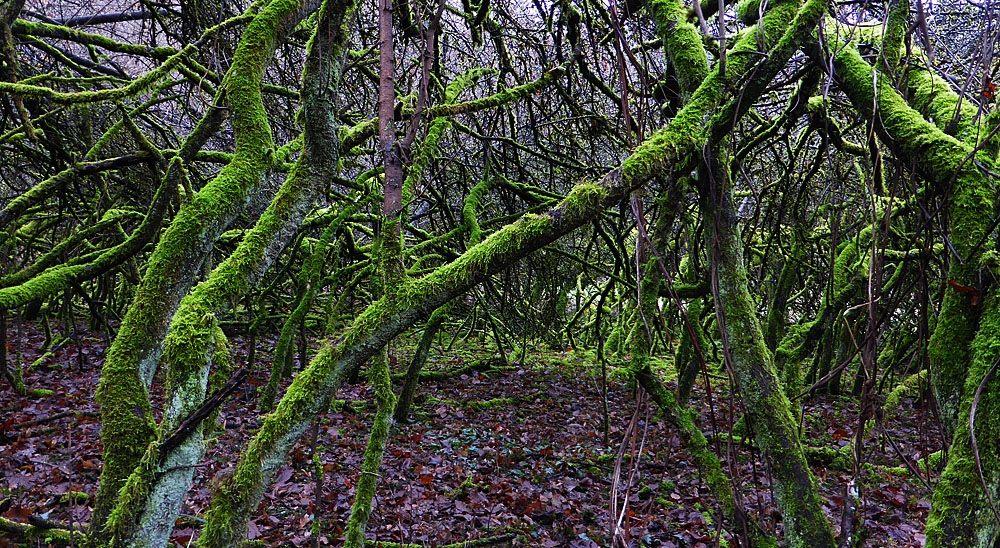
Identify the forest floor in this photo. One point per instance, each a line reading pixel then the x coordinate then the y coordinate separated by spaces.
pixel 513 451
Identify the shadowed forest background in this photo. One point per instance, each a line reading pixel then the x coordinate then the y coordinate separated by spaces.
pixel 499 273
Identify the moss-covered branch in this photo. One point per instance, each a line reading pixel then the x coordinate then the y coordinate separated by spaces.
pixel 963 345
pixel 58 278
pixel 194 336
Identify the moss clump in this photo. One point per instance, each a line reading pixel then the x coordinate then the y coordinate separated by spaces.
pixel 911 383
pixel 665 503
pixel 585 197
pixel 464 488
pixel 74 497
pixel 605 458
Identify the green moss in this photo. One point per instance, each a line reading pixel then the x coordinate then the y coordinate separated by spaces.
pixel 464 488
pixel 59 537
pixel 940 159
pixel 10 214
pixel 932 461
pixel 372 459
pixel 585 197
pixel 670 147
pixel 911 383
pixel 74 497
pixel 936 154
pixel 961 515
pixel 895 31
pixel 934 98
pixel 483 405
pixel 127 422
pixel 500 98
pixel 132 497
pixel 239 493
pixel 221 368
pixel 683 42
pixel 777 314
pixel 47 283
pixel 351 137
pixel 472 201
pixel 605 458
pixel 312 388
pixel 748 11
pixel 25 27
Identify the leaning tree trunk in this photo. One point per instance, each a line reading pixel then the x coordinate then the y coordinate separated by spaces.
pixel 768 408
pixel 126 423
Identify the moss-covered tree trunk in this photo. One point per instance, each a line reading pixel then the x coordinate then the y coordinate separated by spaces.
pixel 768 409
pixel 963 346
pixel 127 427
pixel 195 342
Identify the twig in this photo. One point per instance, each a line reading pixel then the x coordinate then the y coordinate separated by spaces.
pixel 188 425
pixel 480 543
pixel 45 523
pixel 57 416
